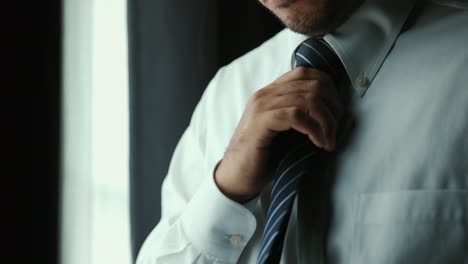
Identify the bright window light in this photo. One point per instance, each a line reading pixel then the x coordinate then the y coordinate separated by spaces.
pixel 95 225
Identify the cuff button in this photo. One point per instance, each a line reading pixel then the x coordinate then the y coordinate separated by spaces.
pixel 235 239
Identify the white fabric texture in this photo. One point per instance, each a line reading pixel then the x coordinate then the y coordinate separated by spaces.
pixel 399 193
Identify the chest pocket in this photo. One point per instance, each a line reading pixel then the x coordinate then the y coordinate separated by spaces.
pixel 411 227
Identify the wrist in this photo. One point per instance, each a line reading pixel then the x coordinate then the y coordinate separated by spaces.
pixel 236 189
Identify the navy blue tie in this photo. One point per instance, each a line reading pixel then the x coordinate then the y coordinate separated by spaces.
pixel 297 156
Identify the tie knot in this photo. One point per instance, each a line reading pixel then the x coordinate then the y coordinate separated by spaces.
pixel 316 53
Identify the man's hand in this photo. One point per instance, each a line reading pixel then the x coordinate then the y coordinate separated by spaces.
pixel 303 99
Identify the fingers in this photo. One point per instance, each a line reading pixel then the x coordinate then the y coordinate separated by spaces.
pixel 287 94
pixel 303 73
pixel 327 122
pixel 293 117
pixel 316 122
pixel 303 99
pixel 312 103
pixel 304 79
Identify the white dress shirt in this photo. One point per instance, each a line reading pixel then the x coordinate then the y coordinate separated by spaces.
pixel 398 191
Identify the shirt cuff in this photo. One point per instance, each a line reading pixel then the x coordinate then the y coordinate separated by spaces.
pixel 218 225
pixel 252 204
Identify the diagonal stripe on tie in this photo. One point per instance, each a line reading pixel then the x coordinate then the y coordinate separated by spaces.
pixel 295 163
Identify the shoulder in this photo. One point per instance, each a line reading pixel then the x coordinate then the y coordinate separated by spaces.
pixel 439 28
pixel 449 16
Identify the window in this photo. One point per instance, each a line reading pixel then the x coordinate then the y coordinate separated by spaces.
pixel 95 226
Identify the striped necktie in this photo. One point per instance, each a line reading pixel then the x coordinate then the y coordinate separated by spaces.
pixel 298 155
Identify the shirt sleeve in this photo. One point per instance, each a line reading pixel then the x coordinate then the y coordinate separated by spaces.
pixel 199 224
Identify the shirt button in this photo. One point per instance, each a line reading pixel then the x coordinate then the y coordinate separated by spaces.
pixel 235 239
pixel 362 80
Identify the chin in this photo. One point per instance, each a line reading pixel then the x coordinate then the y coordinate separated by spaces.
pixel 309 17
pixel 312 17
pixel 309 22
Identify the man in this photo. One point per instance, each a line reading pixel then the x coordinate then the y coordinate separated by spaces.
pixel 393 186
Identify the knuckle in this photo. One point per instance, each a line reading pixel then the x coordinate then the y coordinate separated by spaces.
pixel 301 70
pixel 256 102
pixel 258 95
pixel 295 113
pixel 256 106
pixel 280 115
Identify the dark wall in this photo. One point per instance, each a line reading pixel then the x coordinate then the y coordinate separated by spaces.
pixel 35 217
pixel 171 59
pixel 176 46
pixel 243 25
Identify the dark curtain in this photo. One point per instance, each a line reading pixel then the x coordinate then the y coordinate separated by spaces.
pixel 34 159
pixel 175 49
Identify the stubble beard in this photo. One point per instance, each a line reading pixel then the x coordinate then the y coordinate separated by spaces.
pixel 319 23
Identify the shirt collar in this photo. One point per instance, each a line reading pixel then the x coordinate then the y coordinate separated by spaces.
pixel 363 42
